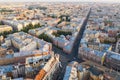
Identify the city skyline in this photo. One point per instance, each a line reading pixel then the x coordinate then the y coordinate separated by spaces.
pixel 109 1
pixel 59 40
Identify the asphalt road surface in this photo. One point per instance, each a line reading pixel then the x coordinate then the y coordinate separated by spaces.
pixel 73 56
pixel 74 52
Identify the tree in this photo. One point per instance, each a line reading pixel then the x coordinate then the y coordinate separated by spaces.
pixel 1 23
pixel 30 8
pixel 60 32
pixel 45 37
pixel 25 29
pixel 118 36
pixel 55 34
pixel 30 26
pixel 37 25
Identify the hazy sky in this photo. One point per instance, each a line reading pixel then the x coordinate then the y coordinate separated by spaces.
pixel 60 0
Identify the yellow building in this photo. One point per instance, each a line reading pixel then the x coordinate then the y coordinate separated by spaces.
pixel 5 28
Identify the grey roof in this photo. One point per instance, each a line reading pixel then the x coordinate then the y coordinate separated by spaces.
pixel 67 73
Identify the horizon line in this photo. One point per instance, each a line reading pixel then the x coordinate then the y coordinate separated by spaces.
pixel 56 1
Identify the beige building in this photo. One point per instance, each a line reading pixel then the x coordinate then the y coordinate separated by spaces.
pixel 1 39
pixel 50 70
pixel 4 28
pixel 2 52
pixel 118 46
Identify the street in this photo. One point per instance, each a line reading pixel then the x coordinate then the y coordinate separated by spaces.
pixel 73 56
pixel 74 52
